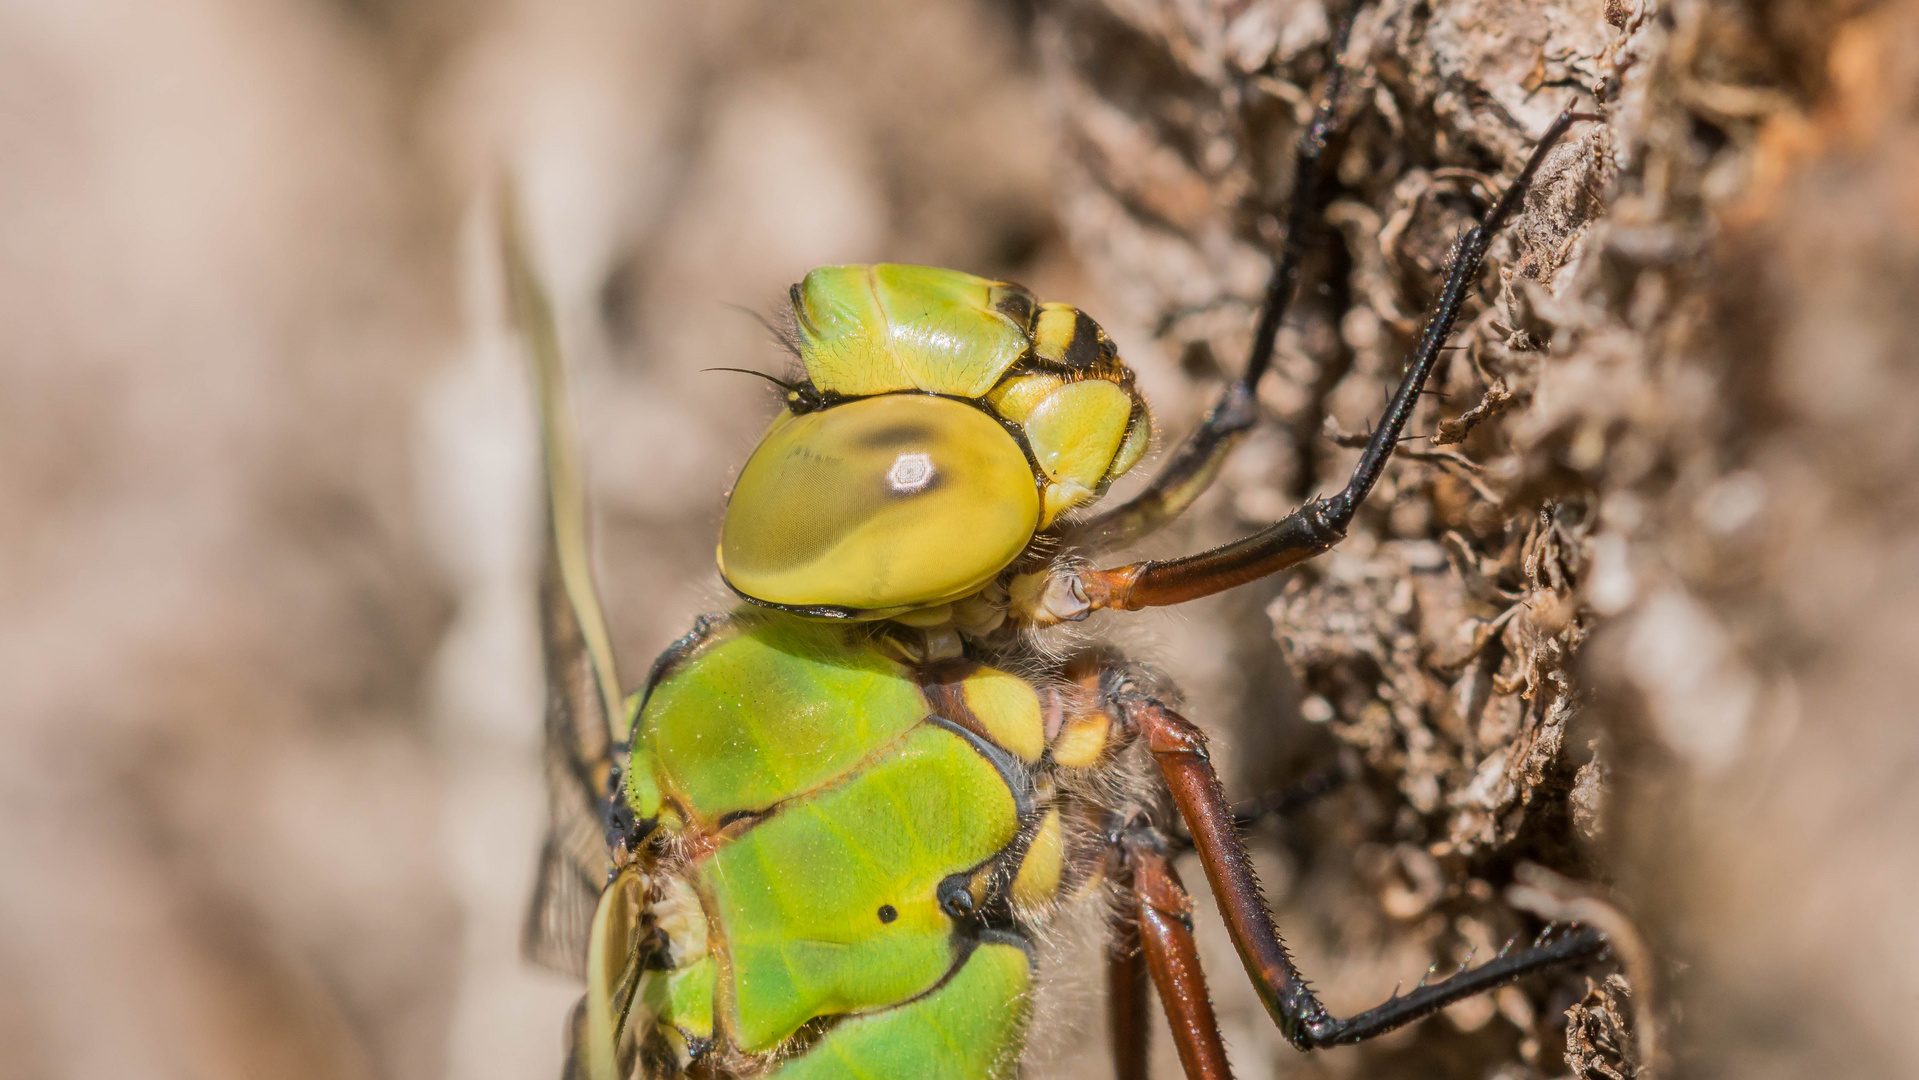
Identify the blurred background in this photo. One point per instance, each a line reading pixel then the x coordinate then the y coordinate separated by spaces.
pixel 269 691
pixel 269 800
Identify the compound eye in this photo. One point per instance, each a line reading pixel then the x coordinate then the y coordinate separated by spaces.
pixel 884 503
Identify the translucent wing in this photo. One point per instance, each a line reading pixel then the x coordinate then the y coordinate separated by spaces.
pixel 603 1036
pixel 585 725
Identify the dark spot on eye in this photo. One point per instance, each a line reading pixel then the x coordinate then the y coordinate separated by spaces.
pixel 894 436
pixel 888 913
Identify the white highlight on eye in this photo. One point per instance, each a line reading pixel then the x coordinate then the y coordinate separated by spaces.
pixel 910 473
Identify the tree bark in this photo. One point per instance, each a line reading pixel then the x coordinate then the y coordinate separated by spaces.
pixel 1626 630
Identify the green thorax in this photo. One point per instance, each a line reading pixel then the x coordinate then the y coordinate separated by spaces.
pixel 813 813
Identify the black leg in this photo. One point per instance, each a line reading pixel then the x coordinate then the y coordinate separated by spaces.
pixel 1286 801
pixel 1179 748
pixel 1319 524
pixel 1191 469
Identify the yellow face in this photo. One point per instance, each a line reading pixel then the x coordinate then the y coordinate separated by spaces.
pixel 880 504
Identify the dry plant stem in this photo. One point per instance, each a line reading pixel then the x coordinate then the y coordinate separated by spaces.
pixel 1461 466
pixel 1556 898
pixel 1497 400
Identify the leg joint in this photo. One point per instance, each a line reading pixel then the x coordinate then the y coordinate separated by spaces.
pixel 1167 733
pixel 1327 519
pixel 1155 884
pixel 1237 410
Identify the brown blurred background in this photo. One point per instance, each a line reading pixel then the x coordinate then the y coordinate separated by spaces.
pixel 268 751
pixel 269 797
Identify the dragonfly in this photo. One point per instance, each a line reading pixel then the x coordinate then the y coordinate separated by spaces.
pixel 833 830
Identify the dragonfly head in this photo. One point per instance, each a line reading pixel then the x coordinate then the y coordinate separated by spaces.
pixel 945 422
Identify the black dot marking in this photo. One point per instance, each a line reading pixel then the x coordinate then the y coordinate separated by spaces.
pixel 888 913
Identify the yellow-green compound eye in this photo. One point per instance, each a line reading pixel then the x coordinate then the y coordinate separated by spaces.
pixel 880 504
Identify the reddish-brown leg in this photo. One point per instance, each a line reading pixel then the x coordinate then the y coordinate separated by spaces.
pixel 1180 749
pixel 1164 914
pixel 1126 1021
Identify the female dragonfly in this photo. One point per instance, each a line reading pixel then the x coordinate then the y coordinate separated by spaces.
pixel 830 833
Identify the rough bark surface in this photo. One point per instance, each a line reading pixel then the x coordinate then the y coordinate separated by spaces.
pixel 1601 614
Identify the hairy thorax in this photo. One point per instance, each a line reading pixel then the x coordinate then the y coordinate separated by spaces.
pixel 847 850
